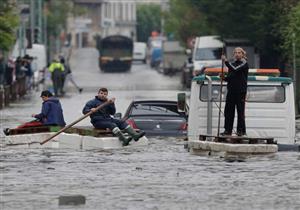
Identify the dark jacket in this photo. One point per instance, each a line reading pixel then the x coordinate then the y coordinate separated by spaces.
pixel 237 76
pixel 52 113
pixel 103 113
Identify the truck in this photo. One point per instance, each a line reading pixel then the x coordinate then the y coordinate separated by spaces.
pixel 270 107
pixel 173 57
pixel 207 53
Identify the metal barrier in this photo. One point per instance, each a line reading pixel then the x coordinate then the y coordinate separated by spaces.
pixel 13 92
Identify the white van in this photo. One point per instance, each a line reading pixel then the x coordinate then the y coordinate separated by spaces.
pixel 39 63
pixel 207 53
pixel 140 51
pixel 270 108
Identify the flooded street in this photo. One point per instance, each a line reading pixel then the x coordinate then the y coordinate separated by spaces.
pixel 162 175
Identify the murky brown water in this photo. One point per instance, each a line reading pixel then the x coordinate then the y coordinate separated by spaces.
pixel 162 175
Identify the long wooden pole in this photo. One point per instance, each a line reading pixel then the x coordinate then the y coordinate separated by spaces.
pixel 221 90
pixel 75 122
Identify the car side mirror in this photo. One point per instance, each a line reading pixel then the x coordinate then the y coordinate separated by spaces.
pixel 118 115
pixel 181 102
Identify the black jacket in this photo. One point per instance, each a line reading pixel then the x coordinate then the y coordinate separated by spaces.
pixel 101 114
pixel 237 76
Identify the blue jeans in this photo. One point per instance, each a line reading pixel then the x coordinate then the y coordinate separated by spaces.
pixel 110 123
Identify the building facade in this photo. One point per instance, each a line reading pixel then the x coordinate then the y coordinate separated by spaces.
pixel 104 18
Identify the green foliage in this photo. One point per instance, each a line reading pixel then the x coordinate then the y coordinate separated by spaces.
pixel 8 24
pixel 185 21
pixel 57 16
pixel 260 21
pixel 291 32
pixel 148 20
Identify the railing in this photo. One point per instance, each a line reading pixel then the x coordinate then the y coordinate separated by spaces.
pixel 13 92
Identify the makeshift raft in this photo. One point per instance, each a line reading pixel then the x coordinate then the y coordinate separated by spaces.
pixel 73 138
pixel 232 145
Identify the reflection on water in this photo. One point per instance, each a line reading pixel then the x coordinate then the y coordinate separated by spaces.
pixel 162 175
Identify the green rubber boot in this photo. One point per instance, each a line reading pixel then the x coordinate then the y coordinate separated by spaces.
pixel 135 135
pixel 121 136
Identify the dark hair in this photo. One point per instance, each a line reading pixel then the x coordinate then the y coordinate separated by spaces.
pixel 46 93
pixel 103 89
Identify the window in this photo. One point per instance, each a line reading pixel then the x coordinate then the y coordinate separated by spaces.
pixel 155 109
pixel 257 93
pixel 208 54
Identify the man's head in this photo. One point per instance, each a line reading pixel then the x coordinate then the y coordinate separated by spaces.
pixel 239 53
pixel 102 94
pixel 46 94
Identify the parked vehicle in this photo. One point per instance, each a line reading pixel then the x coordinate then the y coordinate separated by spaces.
pixel 187 70
pixel 115 53
pixel 173 57
pixel 270 107
pixel 157 118
pixel 39 63
pixel 207 54
pixel 140 51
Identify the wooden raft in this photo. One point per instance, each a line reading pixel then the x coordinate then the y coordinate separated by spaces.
pixel 238 139
pixel 84 131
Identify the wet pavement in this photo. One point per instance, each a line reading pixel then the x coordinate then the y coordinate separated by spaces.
pixel 162 175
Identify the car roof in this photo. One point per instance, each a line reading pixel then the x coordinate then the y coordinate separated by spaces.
pixel 154 101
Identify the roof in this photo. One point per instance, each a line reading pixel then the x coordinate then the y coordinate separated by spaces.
pixel 88 1
pixel 154 101
pixel 250 78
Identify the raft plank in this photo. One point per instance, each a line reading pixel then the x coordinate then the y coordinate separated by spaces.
pixel 238 139
pixel 38 129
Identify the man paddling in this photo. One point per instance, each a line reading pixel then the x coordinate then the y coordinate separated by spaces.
pixel 102 118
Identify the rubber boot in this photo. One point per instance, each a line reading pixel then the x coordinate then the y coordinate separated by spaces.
pixel 121 136
pixel 135 135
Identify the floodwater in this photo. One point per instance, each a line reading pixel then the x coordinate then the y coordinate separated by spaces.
pixel 162 175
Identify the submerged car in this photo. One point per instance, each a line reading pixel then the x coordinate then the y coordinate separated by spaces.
pixel 157 118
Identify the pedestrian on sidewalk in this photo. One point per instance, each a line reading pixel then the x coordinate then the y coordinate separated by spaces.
pixel 102 118
pixel 236 91
pixel 27 68
pixel 57 71
pixel 69 76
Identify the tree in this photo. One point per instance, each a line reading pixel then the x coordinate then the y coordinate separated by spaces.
pixel 185 21
pixel 148 20
pixel 8 24
pixel 256 20
pixel 291 35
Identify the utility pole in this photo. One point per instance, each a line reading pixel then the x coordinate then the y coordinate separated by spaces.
pixel 45 33
pixel 40 21
pixel 164 6
pixel 32 20
pixel 294 67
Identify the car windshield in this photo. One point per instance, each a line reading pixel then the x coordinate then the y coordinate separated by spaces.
pixel 155 109
pixel 255 93
pixel 208 54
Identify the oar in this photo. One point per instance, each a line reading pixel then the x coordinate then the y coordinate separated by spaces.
pixel 73 123
pixel 221 89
